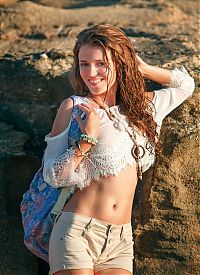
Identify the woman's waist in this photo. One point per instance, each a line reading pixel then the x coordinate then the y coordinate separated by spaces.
pixel 104 201
pixel 110 215
pixel 113 188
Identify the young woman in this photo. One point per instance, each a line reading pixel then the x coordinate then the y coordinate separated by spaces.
pixel 119 124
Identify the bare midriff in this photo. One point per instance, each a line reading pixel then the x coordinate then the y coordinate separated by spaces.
pixel 109 199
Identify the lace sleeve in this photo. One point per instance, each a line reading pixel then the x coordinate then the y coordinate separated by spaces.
pixel 165 100
pixel 59 171
pixel 58 160
pixel 179 78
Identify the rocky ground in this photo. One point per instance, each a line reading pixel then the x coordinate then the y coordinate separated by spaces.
pixel 36 40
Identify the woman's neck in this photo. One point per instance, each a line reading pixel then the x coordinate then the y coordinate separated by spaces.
pixel 106 99
pixel 99 100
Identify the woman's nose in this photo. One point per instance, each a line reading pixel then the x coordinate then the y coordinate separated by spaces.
pixel 93 70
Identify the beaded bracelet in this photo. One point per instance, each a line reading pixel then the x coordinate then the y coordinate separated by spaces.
pixel 88 139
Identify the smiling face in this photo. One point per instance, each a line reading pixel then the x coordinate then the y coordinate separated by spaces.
pixel 97 74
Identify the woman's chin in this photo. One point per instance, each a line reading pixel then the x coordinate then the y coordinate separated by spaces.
pixel 97 91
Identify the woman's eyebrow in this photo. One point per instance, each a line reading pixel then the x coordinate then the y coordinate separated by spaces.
pixel 96 60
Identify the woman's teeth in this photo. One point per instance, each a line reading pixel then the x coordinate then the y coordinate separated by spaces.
pixel 95 81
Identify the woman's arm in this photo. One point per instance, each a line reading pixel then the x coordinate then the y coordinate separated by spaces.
pixel 154 73
pixel 60 161
pixel 179 85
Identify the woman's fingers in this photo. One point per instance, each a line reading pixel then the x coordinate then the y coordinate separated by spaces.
pixel 141 62
pixel 85 108
pixel 88 121
pixel 86 111
pixel 79 120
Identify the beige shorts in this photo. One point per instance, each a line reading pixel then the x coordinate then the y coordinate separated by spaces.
pixel 79 242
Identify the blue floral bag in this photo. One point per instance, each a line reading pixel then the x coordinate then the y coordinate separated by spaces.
pixel 42 203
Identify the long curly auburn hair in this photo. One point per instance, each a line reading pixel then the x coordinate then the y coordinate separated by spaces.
pixel 131 92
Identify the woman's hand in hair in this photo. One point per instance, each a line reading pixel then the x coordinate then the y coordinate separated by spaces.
pixel 153 73
pixel 142 66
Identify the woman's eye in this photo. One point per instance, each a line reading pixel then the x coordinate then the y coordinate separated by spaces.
pixel 101 64
pixel 82 65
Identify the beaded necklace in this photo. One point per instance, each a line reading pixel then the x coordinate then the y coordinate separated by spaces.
pixel 137 150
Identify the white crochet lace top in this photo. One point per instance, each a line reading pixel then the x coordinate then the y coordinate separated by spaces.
pixel 113 151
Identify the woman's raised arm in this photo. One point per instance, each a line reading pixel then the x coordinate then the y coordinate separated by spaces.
pixel 179 85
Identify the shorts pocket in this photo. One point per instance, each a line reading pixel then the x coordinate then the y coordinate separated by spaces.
pixel 74 230
pixel 128 237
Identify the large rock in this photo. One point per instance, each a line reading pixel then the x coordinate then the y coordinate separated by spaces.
pixel 36 49
pixel 32 89
pixel 15 173
pixel 167 204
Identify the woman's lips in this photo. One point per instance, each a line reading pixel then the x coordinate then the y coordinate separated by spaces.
pixel 95 81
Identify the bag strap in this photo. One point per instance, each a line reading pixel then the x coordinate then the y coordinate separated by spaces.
pixel 64 195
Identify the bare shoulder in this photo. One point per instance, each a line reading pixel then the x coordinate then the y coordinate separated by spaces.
pixel 62 118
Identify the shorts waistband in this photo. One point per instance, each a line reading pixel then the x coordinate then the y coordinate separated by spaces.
pixel 92 222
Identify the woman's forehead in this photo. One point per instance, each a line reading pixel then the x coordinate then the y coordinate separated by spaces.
pixel 93 51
